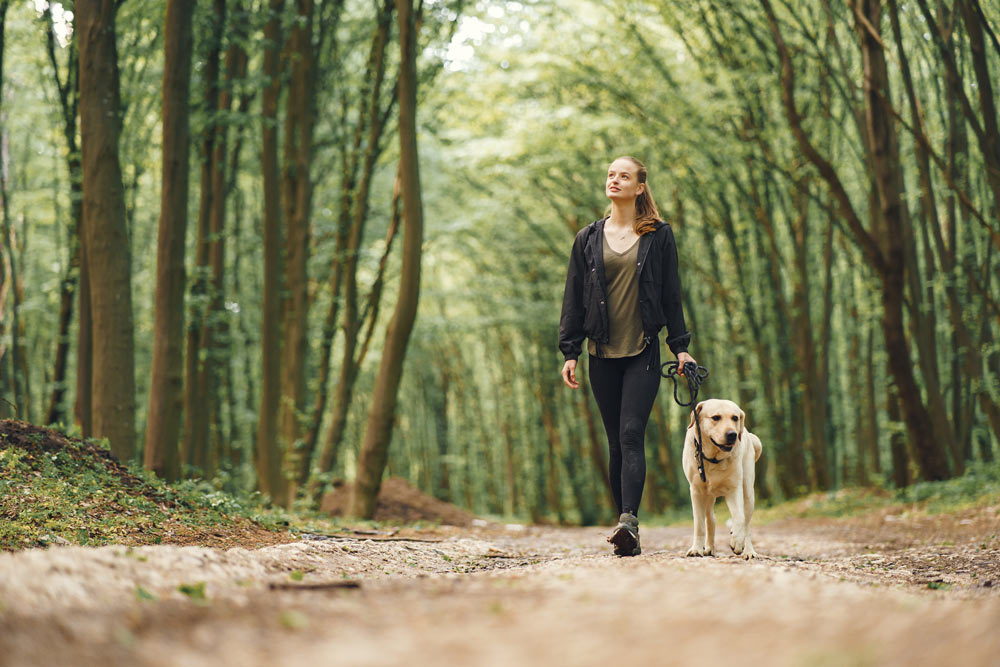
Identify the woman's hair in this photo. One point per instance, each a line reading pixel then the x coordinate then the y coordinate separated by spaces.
pixel 646 213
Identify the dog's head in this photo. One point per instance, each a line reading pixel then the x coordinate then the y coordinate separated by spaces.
pixel 722 425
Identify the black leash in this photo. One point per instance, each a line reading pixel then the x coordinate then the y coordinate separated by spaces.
pixel 695 376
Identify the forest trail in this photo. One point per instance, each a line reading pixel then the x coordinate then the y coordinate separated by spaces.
pixel 886 589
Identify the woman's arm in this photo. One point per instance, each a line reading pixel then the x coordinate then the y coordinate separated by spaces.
pixel 678 337
pixel 571 333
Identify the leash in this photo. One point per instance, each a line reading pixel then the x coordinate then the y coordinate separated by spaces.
pixel 695 376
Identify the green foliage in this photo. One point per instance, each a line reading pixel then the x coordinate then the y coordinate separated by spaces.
pixel 978 487
pixel 194 591
pixel 56 489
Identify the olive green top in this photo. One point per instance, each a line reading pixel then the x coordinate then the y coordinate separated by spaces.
pixel 626 339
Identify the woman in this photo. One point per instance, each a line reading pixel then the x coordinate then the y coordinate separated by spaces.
pixel 622 287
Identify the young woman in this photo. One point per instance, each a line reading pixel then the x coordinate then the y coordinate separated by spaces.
pixel 622 287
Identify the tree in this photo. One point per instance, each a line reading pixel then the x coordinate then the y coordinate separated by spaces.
pixel 163 425
pixel 268 452
pixel 107 249
pixel 375 450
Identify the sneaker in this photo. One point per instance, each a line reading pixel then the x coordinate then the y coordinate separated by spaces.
pixel 626 536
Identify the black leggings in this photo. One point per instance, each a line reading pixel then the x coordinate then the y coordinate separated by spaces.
pixel 625 389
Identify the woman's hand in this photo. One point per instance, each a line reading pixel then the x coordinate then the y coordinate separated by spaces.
pixel 569 374
pixel 682 359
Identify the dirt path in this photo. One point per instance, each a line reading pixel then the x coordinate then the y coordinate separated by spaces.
pixel 886 589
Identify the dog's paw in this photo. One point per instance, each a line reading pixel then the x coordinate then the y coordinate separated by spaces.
pixel 749 553
pixel 707 551
pixel 694 551
pixel 737 542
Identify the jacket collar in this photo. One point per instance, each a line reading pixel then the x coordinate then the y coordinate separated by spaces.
pixel 595 245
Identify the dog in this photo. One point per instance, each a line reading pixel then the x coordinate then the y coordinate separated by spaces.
pixel 735 450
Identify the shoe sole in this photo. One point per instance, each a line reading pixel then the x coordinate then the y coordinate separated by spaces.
pixel 626 544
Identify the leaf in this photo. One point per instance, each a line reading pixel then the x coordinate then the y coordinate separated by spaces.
pixel 293 620
pixel 143 595
pixel 296 575
pixel 194 591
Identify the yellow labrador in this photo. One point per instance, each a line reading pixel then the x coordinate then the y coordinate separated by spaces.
pixel 730 452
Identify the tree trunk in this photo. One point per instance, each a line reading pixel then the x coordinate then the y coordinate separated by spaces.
pixel 105 237
pixel 885 159
pixel 163 425
pixel 269 474
pixel 197 394
pixel 70 285
pixel 375 450
pixel 296 191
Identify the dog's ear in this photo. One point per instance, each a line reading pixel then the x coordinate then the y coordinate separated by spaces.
pixel 695 414
pixel 743 421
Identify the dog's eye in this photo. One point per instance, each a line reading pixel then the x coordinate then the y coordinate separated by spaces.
pixel 736 419
pixel 716 418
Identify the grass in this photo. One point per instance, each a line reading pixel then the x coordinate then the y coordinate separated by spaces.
pixel 56 489
pixel 978 487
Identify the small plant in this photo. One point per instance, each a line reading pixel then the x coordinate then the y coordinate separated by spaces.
pixel 143 595
pixel 194 591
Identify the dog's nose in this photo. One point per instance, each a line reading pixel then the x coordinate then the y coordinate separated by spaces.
pixel 731 437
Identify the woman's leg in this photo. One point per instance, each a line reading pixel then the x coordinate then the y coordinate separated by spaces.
pixel 640 383
pixel 606 384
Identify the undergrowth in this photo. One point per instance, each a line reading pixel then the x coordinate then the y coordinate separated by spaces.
pixel 978 487
pixel 56 489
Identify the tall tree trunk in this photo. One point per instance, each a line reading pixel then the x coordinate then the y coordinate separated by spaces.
pixel 888 264
pixel 296 191
pixel 372 116
pixel 928 448
pixel 9 276
pixel 269 453
pixel 69 287
pixel 214 343
pixel 197 395
pixel 375 450
pixel 163 425
pixel 105 237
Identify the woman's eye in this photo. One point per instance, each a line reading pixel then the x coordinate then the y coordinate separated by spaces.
pixel 716 418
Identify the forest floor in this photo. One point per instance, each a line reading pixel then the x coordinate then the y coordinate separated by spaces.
pixel 891 587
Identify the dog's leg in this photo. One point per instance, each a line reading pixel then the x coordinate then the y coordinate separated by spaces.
pixel 710 524
pixel 748 506
pixel 698 510
pixel 739 531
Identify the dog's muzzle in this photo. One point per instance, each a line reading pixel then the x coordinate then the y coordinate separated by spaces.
pixel 727 447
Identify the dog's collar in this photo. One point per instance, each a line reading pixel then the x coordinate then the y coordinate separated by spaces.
pixel 704 457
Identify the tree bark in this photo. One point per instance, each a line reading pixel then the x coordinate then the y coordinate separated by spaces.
pixel 163 425
pixel 371 115
pixel 70 285
pixel 885 166
pixel 375 450
pixel 296 191
pixel 105 235
pixel 198 395
pixel 269 453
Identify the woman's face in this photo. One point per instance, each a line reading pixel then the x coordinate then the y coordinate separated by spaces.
pixel 623 181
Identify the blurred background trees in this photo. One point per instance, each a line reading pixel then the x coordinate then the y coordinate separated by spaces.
pixel 831 171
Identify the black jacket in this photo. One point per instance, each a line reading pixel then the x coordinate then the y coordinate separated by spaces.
pixel 584 311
